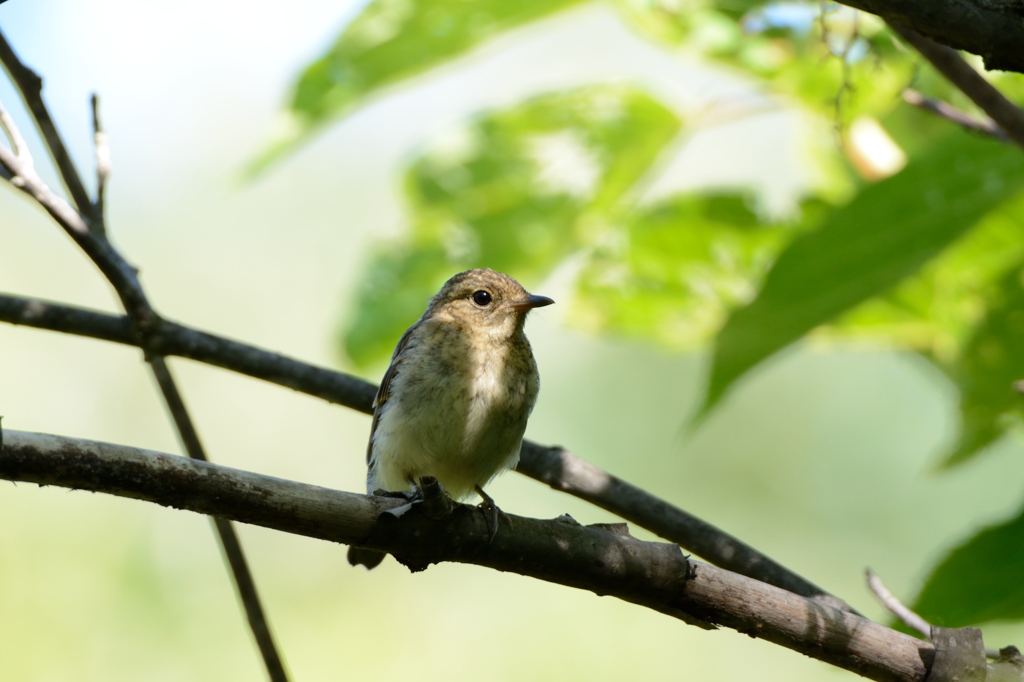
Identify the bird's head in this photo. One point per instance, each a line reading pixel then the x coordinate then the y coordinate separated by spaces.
pixel 486 301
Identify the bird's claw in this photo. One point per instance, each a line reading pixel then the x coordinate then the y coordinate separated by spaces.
pixel 495 513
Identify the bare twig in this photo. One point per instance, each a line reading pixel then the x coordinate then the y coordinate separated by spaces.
pixel 950 64
pixel 119 273
pixel 607 561
pixel 951 113
pixel 554 466
pixel 895 606
pixel 102 145
pixel 245 586
pixel 18 145
pixel 85 224
pixel 30 85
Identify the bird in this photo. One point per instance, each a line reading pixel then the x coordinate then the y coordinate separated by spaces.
pixel 456 397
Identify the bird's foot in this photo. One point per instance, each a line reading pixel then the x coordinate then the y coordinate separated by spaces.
pixel 407 495
pixel 492 513
pixel 411 497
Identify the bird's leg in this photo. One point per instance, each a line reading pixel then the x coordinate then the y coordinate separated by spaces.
pixel 495 513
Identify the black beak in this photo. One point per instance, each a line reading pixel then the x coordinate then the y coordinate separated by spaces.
pixel 530 302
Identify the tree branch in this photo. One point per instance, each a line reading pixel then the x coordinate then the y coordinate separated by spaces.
pixel 85 223
pixel 102 146
pixel 30 85
pixel 950 113
pixel 554 466
pixel 1005 113
pixel 603 559
pixel 993 29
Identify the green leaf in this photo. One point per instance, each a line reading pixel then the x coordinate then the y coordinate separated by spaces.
pixel 850 69
pixel 399 282
pixel 392 40
pixel 683 262
pixel 986 370
pixel 886 233
pixel 979 581
pixel 936 311
pixel 518 190
pixel 513 188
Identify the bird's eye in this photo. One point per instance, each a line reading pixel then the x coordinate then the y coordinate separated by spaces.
pixel 482 298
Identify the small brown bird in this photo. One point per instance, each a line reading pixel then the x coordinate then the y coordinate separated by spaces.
pixel 455 400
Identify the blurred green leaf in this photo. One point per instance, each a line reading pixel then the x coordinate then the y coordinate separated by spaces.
pixel 393 294
pixel 682 264
pixel 936 311
pixel 514 187
pixel 392 40
pixel 979 581
pixel 986 370
pixel 519 190
pixel 889 231
pixel 837 62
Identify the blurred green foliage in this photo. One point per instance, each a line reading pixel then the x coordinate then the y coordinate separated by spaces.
pixel 989 406
pixel 518 191
pixel 885 234
pixel 929 259
pixel 391 40
pixel 654 280
pixel 979 581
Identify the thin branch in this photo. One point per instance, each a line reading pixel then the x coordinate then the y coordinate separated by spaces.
pixel 245 586
pixel 18 145
pixel 102 146
pixel 85 224
pixel 950 64
pixel 951 113
pixel 122 276
pixel 554 466
pixel 603 559
pixel 895 606
pixel 30 85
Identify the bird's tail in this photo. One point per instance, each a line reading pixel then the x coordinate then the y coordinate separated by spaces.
pixel 371 558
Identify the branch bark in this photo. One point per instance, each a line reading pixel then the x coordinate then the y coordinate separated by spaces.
pixel 993 29
pixel 604 559
pixel 552 465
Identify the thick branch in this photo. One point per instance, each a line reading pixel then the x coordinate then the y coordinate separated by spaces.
pixel 987 97
pixel 554 466
pixel 603 559
pixel 993 29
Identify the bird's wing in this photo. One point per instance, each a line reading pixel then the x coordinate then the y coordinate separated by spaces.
pixel 383 393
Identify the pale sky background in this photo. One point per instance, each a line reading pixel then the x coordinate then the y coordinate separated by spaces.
pixel 821 460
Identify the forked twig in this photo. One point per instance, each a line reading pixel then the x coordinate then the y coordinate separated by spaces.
pixel 85 223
